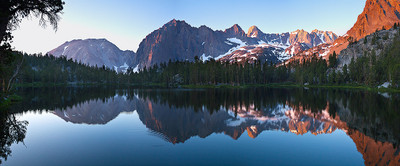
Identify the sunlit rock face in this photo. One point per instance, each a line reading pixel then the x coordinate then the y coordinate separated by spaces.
pixel 377 14
pixel 235 31
pixel 254 32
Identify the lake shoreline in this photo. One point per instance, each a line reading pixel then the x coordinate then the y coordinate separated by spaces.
pixel 192 86
pixel 8 101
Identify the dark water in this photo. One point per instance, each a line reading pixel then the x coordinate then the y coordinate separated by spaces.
pixel 109 126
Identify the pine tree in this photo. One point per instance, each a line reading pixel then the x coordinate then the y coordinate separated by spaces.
pixel 333 60
pixel 345 73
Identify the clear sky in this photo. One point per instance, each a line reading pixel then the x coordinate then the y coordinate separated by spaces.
pixel 127 22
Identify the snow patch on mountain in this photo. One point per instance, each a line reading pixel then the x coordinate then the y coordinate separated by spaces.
pixel 284 56
pixel 205 58
pixel 65 48
pixel 124 67
pixel 237 41
pixel 136 69
pixel 321 37
pixel 244 114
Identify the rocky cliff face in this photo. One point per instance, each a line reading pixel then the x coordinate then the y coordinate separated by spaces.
pixel 96 52
pixel 177 40
pixel 377 14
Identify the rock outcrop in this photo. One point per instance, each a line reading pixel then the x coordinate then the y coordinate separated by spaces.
pixel 375 43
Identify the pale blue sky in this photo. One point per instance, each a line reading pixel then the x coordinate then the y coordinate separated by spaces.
pixel 127 22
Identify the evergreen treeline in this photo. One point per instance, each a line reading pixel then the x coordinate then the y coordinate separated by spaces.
pixel 313 71
pixel 49 69
pixel 371 69
pixel 211 72
pixel 368 70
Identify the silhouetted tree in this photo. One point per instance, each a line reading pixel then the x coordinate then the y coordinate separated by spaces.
pixel 13 11
pixel 11 14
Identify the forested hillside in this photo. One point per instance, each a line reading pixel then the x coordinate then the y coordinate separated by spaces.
pixel 49 69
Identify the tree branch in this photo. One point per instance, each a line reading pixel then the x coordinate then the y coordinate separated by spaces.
pixel 9 86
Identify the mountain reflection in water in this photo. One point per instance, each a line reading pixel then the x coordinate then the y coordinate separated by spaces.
pixel 369 119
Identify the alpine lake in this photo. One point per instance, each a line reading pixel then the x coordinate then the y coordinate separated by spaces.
pixel 244 126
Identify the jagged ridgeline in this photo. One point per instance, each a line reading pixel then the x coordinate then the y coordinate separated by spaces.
pixel 179 41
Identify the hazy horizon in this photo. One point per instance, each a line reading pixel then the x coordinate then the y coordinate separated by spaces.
pixel 127 23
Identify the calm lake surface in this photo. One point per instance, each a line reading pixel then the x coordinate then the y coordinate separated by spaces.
pixel 257 126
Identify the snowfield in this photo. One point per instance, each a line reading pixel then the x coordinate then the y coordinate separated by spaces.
pixel 237 41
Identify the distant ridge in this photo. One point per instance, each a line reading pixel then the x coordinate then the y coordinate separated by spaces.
pixel 96 52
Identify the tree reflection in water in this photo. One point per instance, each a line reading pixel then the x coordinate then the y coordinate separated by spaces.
pixel 12 131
